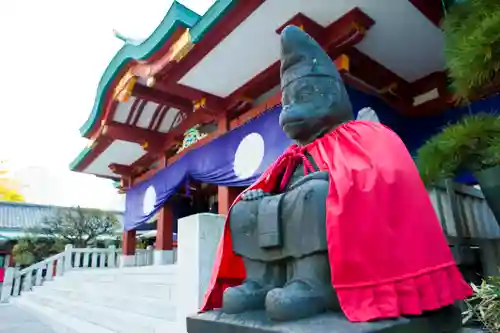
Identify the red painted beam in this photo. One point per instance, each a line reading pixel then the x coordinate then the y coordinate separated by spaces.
pixel 162 97
pixel 437 80
pixel 118 131
pixel 376 75
pixel 140 170
pixel 171 74
pixel 240 11
pixel 159 59
pixel 432 9
pixel 99 146
pixel 120 169
pixel 336 38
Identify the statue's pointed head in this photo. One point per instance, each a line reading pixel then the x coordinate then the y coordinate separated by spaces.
pixel 313 95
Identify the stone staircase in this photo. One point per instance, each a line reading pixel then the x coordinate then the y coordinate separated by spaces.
pixel 90 290
pixel 120 300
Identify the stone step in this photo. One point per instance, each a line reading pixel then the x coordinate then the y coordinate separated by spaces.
pixel 157 276
pixel 163 292
pixel 59 321
pixel 125 271
pixel 161 308
pixel 112 320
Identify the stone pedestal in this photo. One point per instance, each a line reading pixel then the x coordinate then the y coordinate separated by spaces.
pixel 127 260
pixel 198 238
pixel 163 257
pixel 447 320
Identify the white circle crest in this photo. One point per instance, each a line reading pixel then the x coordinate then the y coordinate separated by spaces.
pixel 249 155
pixel 149 201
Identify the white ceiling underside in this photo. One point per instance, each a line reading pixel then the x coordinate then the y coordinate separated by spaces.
pixel 119 152
pixel 402 39
pixel 171 120
pixel 122 110
pixel 144 115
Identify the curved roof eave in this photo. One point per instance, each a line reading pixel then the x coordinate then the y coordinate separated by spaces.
pixel 73 166
pixel 177 15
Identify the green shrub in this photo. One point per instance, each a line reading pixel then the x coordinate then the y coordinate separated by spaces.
pixel 472 144
pixel 32 249
pixel 484 306
pixel 472 46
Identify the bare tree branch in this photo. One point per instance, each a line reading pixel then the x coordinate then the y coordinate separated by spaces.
pixel 79 226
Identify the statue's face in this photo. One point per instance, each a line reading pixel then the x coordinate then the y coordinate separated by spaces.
pixel 313 106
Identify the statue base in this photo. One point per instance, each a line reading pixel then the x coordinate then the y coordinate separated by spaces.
pixel 446 320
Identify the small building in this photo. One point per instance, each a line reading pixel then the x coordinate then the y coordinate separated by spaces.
pixel 189 117
pixel 16 219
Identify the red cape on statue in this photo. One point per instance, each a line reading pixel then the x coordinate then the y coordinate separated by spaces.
pixel 388 254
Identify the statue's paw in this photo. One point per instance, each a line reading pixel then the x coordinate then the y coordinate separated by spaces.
pixel 295 301
pixel 246 297
pixel 253 195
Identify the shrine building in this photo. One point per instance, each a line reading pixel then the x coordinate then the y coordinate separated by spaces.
pixel 188 118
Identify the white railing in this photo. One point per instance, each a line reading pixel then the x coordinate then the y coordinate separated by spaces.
pixel 144 257
pixel 18 281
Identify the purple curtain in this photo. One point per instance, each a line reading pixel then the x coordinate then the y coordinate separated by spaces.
pixel 240 156
pixel 234 159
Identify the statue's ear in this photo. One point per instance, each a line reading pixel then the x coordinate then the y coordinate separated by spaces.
pixel 368 114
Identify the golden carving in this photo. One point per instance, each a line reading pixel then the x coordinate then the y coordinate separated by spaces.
pixel 124 88
pixel 182 46
pixel 342 63
pixel 179 49
pixel 200 104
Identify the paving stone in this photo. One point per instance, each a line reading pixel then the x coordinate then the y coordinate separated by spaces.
pixel 16 320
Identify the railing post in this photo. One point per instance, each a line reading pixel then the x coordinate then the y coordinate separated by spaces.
pixel 17 282
pixel 49 273
pixel 93 259
pixel 78 260
pixel 149 255
pixel 8 284
pixel 102 259
pixel 60 266
pixel 86 259
pixel 39 275
pixel 112 256
pixel 68 254
pixel 28 280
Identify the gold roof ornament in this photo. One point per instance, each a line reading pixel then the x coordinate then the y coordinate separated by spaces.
pixel 124 88
pixel 182 46
pixel 191 136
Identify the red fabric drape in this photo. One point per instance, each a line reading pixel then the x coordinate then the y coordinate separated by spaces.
pixel 387 251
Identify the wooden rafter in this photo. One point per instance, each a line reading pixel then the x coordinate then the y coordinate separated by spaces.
pixel 339 36
pixel 162 97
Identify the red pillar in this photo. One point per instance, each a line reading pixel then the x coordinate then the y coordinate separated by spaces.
pixel 226 196
pixel 128 243
pixel 164 226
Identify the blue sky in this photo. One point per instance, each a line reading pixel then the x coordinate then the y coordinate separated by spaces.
pixel 52 55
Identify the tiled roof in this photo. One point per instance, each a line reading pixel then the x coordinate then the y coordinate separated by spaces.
pixel 25 215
